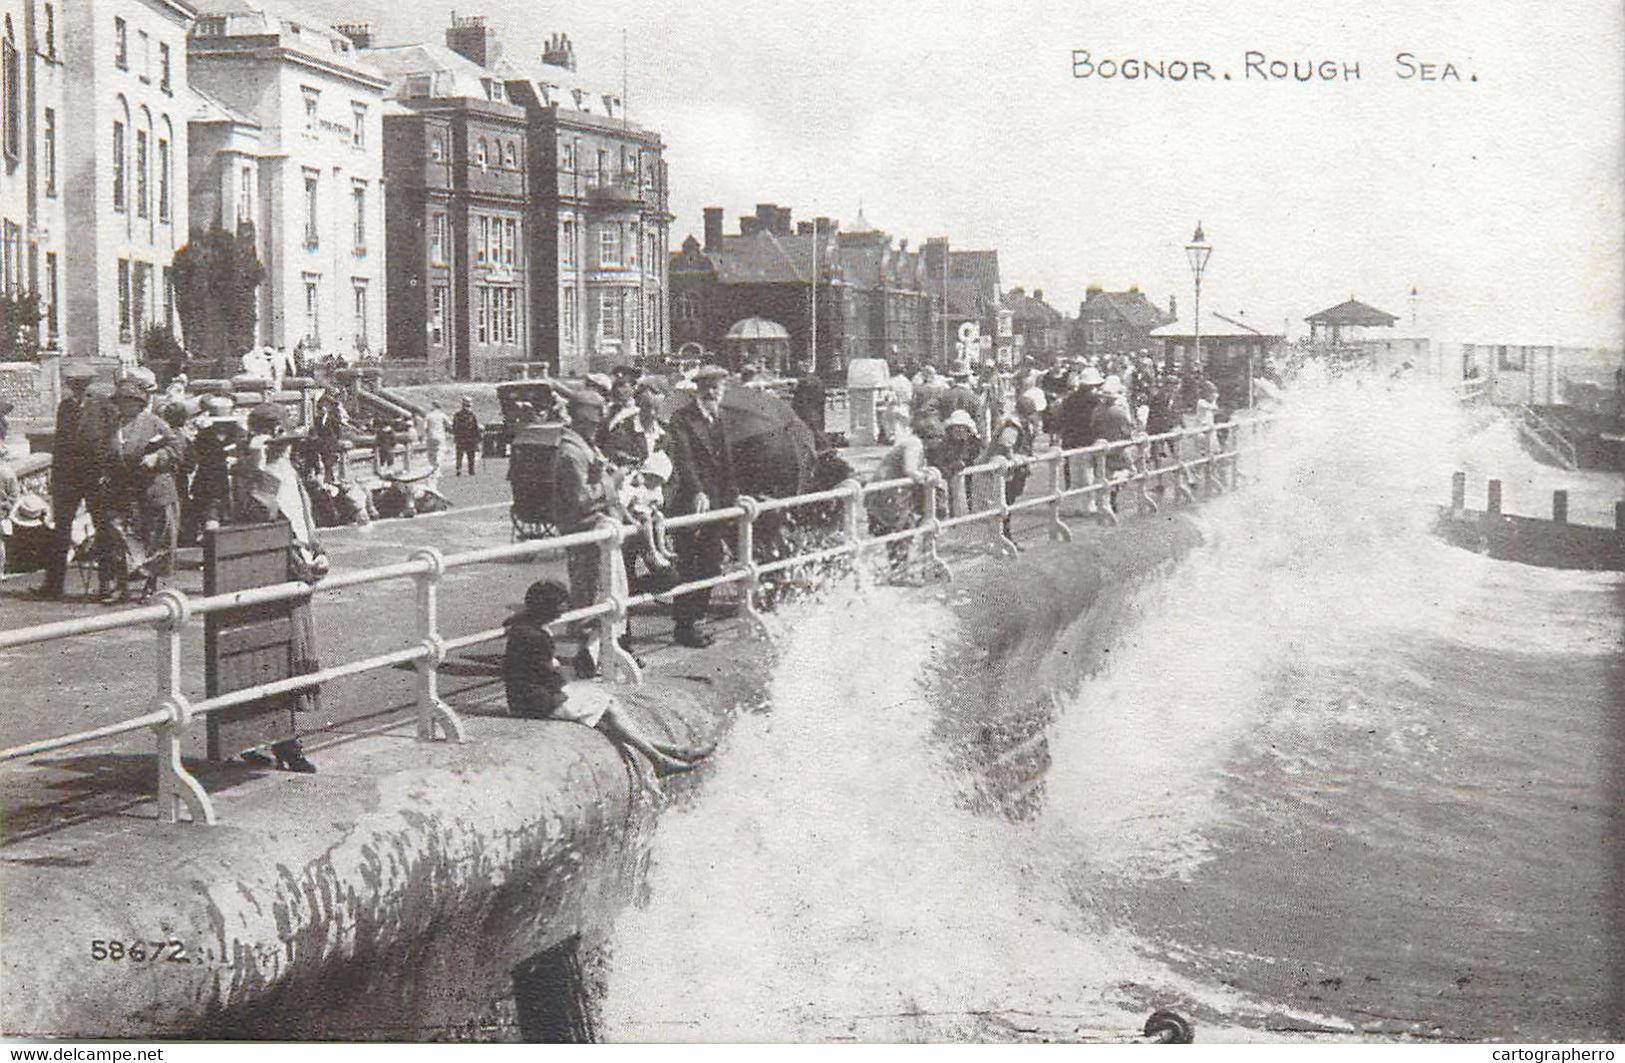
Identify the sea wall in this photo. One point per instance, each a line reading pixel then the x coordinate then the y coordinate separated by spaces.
pixel 394 895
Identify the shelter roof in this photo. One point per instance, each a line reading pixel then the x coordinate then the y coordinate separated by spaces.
pixel 1352 312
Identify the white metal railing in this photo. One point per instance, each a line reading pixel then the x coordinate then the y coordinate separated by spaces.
pixel 976 495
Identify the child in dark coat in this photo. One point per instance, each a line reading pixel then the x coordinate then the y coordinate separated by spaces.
pixel 531 674
pixel 535 683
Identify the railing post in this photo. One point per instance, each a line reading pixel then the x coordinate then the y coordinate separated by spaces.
pixel 176 785
pixel 745 554
pixel 857 524
pixel 1458 492
pixel 958 496
pixel 1003 541
pixel 433 712
pixel 617 664
pixel 1103 496
pixel 930 521
pixel 1058 531
pixel 1215 478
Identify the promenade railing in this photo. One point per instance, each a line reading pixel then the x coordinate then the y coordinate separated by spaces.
pixel 1101 475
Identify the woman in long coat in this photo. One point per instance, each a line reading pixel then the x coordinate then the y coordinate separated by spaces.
pixel 266 487
pixel 134 458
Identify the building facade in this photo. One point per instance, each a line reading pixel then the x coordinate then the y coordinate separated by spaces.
pixel 31 173
pixel 842 294
pixel 455 163
pixel 316 194
pixel 1113 323
pixel 123 156
pixel 600 292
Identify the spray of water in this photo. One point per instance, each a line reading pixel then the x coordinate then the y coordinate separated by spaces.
pixel 1328 539
pixel 829 883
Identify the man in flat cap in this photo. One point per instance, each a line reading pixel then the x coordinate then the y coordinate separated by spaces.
pixel 702 457
pixel 585 487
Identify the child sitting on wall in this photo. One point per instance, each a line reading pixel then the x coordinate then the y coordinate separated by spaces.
pixel 643 492
pixel 535 683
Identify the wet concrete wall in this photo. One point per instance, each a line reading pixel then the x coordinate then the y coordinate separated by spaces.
pixel 393 895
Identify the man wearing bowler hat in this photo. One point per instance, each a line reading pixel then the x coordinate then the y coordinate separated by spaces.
pixel 702 458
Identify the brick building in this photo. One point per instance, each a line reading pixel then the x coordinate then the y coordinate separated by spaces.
pixel 873 299
pixel 1113 323
pixel 456 164
pixel 1039 330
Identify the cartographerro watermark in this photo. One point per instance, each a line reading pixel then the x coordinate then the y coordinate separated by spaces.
pixel 1550 1055
pixel 1261 66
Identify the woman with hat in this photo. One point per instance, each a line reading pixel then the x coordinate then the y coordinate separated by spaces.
pixel 266 487
pixel 135 458
pixel 25 538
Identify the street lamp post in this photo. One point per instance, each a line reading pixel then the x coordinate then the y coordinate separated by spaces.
pixel 1198 251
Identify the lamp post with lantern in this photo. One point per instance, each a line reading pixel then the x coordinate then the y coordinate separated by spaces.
pixel 1198 251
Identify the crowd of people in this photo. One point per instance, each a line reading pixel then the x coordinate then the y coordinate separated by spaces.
pixel 154 468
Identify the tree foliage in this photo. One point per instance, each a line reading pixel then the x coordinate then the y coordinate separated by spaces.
pixel 19 327
pixel 216 279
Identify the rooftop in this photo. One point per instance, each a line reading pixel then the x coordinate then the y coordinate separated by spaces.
pixel 415 71
pixel 1213 324
pixel 1352 312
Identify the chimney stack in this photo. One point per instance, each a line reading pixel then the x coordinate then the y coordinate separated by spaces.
pixel 804 228
pixel 559 51
pixel 784 221
pixel 360 33
pixel 472 39
pixel 713 228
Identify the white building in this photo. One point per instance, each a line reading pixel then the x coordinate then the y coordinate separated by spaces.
pixel 31 175
pixel 123 151
pixel 314 187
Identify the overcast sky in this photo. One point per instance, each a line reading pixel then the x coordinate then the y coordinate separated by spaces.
pixel 1500 200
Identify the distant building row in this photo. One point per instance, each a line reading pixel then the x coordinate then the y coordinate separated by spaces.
pixel 521 217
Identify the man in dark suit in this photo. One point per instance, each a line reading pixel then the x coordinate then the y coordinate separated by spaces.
pixel 704 480
pixel 70 481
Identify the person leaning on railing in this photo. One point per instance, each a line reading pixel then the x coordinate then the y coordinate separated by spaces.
pixel 585 486
pixel 1013 441
pixel 266 487
pixel 702 460
pixel 1112 423
pixel 896 509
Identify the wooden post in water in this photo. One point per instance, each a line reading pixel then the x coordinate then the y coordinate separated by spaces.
pixel 1458 492
pixel 1493 506
pixel 1560 507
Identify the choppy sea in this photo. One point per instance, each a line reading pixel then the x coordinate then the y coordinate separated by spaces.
pixel 1337 779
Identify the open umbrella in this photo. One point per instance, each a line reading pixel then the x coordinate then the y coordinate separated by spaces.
pixel 773 451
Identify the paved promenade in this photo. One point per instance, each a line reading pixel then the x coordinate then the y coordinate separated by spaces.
pixel 76 684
